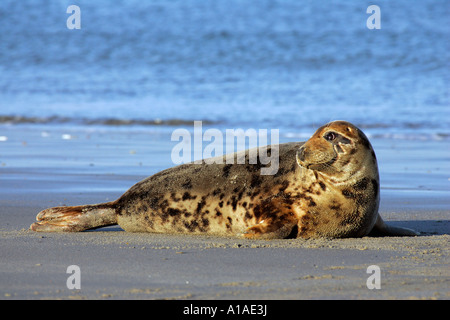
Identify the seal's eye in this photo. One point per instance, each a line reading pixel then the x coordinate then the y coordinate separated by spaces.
pixel 330 136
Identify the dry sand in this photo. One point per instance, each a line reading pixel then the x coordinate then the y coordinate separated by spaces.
pixel 119 265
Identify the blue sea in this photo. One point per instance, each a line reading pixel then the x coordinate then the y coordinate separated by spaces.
pixel 290 65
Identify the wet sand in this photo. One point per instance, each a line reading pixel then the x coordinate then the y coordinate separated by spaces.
pixel 119 265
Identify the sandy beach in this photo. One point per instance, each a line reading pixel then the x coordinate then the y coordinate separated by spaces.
pixel 98 167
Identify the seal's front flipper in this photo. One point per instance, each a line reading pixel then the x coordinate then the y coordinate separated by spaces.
pixel 381 229
pixel 278 228
pixel 74 219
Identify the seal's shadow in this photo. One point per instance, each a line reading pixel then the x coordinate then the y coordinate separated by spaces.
pixel 425 227
pixel 114 228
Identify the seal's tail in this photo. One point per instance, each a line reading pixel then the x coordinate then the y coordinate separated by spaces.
pixel 74 219
pixel 382 229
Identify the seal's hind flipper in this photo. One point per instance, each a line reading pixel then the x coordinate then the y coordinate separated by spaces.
pixel 381 229
pixel 74 219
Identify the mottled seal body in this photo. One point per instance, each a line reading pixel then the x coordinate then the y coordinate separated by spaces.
pixel 325 187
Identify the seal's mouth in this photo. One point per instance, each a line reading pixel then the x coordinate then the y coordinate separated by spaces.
pixel 322 166
pixel 319 166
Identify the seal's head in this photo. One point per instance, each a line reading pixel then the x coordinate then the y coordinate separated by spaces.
pixel 339 158
pixel 339 150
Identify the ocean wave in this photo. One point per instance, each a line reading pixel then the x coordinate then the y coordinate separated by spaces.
pixel 376 130
pixel 106 121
